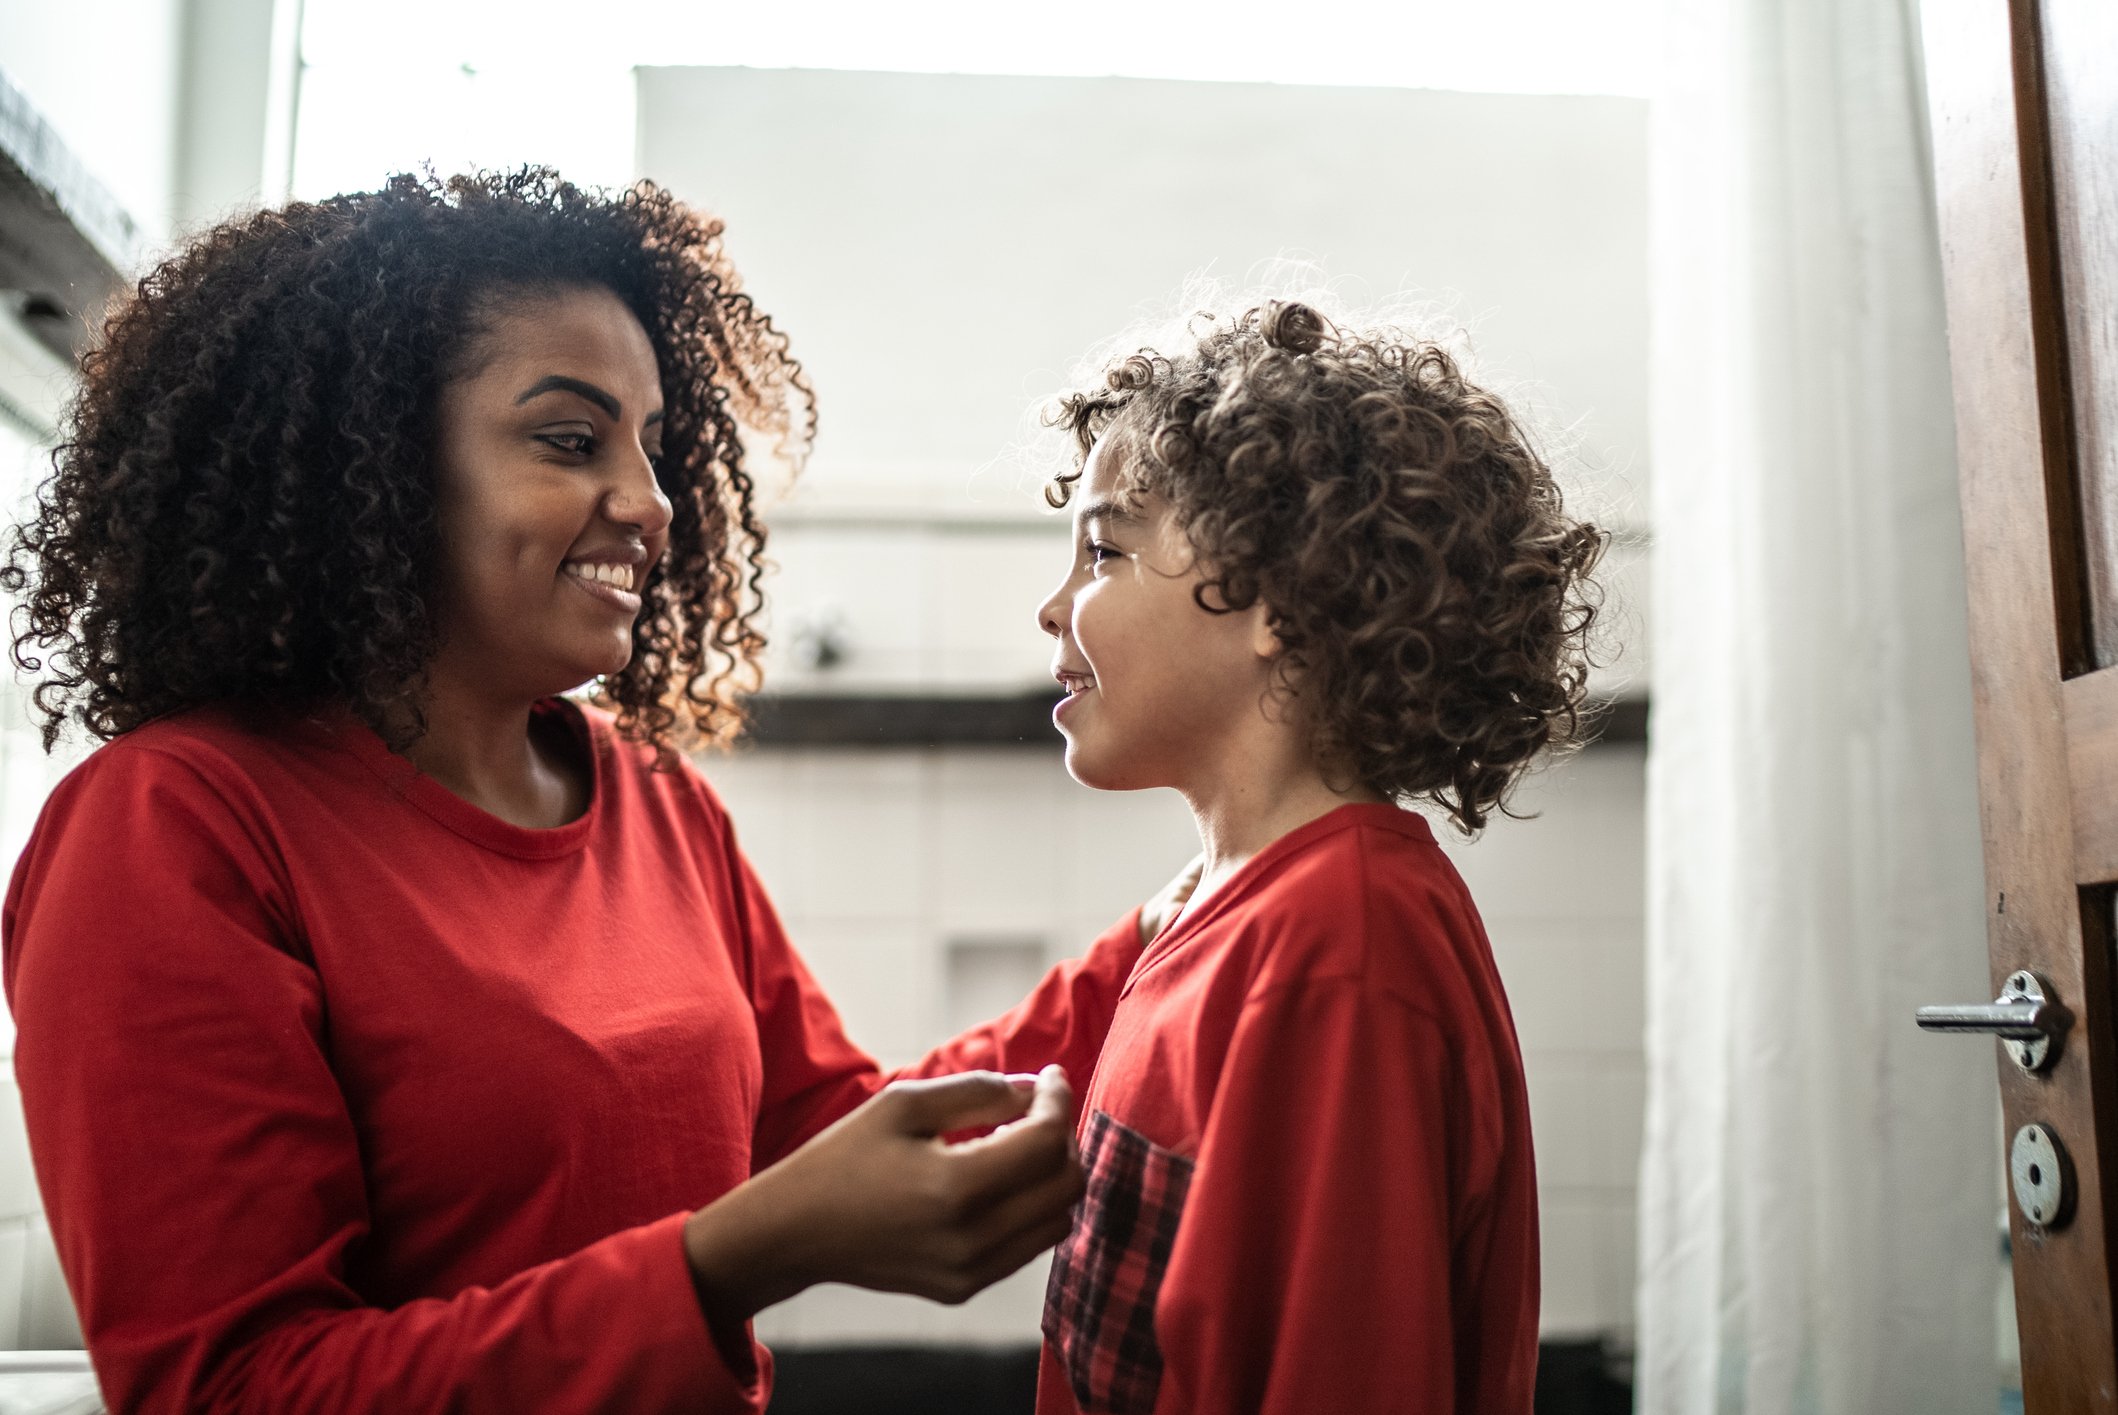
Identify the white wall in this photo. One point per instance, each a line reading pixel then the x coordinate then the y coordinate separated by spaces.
pixel 1564 900
pixel 166 102
pixel 942 248
pixel 105 75
pixel 237 91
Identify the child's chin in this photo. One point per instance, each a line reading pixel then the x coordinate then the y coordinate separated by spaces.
pixel 1099 771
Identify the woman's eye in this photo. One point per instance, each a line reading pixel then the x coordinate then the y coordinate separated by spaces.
pixel 1098 553
pixel 578 444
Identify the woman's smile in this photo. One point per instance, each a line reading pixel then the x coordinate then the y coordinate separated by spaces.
pixel 612 582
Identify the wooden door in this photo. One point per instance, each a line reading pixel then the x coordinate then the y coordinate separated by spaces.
pixel 2023 97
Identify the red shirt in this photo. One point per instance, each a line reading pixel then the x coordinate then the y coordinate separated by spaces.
pixel 346 1095
pixel 1311 1186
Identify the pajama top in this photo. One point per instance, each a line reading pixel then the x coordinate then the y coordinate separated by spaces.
pixel 345 1095
pixel 1310 1180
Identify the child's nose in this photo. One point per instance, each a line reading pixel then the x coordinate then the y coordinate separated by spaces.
pixel 1051 614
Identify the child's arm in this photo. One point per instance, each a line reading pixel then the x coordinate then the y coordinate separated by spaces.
pixel 1318 1265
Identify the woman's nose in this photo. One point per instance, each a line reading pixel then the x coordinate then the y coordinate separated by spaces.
pixel 638 500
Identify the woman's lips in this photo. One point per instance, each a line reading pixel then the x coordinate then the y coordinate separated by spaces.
pixel 608 593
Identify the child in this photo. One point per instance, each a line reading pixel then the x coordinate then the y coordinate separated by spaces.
pixel 1316 574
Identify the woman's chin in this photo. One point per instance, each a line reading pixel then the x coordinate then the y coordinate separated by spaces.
pixel 578 671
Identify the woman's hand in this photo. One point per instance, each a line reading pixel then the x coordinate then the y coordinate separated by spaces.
pixel 879 1200
pixel 1161 911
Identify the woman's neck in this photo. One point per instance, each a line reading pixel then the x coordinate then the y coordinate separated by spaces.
pixel 483 750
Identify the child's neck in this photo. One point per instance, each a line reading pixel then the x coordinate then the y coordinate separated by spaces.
pixel 1253 800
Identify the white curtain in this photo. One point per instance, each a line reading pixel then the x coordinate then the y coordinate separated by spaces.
pixel 1819 1189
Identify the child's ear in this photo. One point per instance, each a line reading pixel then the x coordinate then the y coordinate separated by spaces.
pixel 1264 638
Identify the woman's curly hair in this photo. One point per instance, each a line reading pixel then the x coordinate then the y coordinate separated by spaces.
pixel 1432 596
pixel 242 509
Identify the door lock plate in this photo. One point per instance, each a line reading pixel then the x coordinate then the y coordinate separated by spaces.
pixel 2042 1178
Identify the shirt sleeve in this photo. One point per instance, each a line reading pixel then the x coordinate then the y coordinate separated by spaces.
pixel 202 1172
pixel 1298 1282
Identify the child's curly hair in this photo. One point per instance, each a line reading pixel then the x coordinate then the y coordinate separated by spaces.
pixel 1433 597
pixel 242 509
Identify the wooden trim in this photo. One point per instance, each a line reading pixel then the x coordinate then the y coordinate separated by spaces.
pixel 2080 39
pixel 2092 770
pixel 1999 278
pixel 2070 588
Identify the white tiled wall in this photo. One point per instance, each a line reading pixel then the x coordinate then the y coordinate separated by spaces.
pixel 1564 902
pixel 882 861
pixel 35 1311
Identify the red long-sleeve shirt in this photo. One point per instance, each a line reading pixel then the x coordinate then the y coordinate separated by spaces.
pixel 1311 1186
pixel 345 1095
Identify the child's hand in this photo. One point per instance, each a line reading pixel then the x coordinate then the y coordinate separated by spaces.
pixel 881 1201
pixel 1161 911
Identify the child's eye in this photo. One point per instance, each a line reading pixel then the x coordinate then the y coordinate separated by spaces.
pixel 1097 552
pixel 578 444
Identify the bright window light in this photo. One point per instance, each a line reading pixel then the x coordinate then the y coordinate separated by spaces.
pixel 390 84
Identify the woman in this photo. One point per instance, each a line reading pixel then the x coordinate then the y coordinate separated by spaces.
pixel 395 1034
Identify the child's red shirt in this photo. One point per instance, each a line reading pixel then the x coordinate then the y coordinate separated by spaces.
pixel 1311 1186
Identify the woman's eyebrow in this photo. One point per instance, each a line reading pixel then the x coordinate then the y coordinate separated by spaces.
pixel 560 383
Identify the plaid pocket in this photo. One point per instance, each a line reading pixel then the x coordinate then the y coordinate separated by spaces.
pixel 1099 1310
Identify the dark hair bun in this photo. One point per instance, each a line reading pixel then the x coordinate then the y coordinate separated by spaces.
pixel 1295 327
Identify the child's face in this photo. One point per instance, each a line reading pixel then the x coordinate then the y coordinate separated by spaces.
pixel 1160 691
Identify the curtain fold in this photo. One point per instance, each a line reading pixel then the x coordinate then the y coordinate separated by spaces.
pixel 1819 1184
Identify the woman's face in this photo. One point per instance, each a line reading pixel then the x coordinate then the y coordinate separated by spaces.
pixel 549 510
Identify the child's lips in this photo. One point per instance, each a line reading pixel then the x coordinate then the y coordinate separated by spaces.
pixel 1078 686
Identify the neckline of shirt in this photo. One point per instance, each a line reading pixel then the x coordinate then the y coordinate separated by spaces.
pixel 1246 880
pixel 481 827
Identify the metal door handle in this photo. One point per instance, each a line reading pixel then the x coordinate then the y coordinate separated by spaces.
pixel 2025 1016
